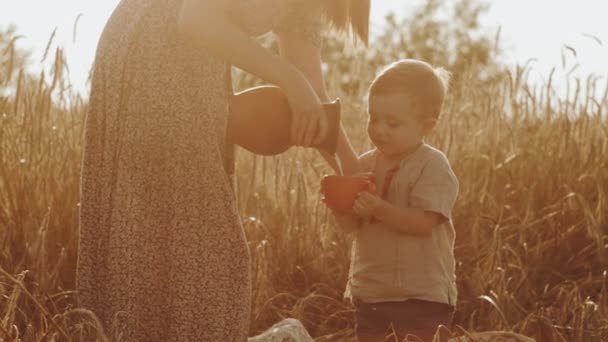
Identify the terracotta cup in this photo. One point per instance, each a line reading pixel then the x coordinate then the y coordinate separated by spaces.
pixel 260 121
pixel 340 192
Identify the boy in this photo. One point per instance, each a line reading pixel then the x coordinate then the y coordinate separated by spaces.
pixel 402 272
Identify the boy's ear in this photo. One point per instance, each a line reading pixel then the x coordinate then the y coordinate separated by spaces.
pixel 428 124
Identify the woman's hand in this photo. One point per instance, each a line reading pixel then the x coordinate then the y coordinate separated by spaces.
pixel 309 122
pixel 206 23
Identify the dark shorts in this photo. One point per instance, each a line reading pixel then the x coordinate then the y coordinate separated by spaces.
pixel 416 317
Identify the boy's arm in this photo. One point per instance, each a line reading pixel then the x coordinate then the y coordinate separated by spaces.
pixel 412 221
pixel 430 201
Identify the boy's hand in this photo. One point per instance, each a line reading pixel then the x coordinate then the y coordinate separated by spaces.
pixel 367 204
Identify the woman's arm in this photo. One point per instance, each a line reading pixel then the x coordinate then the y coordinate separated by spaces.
pixel 306 57
pixel 208 25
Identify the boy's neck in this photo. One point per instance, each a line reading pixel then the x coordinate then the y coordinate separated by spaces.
pixel 397 158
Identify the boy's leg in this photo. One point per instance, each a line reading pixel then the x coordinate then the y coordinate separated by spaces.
pixel 421 319
pixel 371 325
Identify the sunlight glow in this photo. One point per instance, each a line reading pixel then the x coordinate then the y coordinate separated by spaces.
pixel 530 29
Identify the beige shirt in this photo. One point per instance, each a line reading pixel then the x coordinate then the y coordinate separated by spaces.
pixel 387 265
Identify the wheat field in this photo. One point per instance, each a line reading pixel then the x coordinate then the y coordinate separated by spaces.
pixel 531 217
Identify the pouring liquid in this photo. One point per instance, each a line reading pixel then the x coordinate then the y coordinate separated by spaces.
pixel 338 164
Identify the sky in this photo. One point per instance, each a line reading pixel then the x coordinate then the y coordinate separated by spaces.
pixel 529 29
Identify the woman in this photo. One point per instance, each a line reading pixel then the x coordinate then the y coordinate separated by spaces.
pixel 163 255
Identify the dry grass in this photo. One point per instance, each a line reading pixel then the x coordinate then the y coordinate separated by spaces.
pixel 531 217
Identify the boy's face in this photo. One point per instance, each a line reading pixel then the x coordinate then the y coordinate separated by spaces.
pixel 395 125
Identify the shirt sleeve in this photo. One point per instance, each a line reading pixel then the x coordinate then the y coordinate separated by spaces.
pixel 436 188
pixel 304 23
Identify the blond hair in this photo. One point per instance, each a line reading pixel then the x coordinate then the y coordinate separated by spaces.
pixel 426 85
pixel 350 16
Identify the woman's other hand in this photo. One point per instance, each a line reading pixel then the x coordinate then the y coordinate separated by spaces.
pixel 309 123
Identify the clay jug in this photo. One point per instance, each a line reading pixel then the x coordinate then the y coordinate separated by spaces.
pixel 260 121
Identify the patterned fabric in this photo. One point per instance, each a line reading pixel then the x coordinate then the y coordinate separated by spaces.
pixel 162 253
